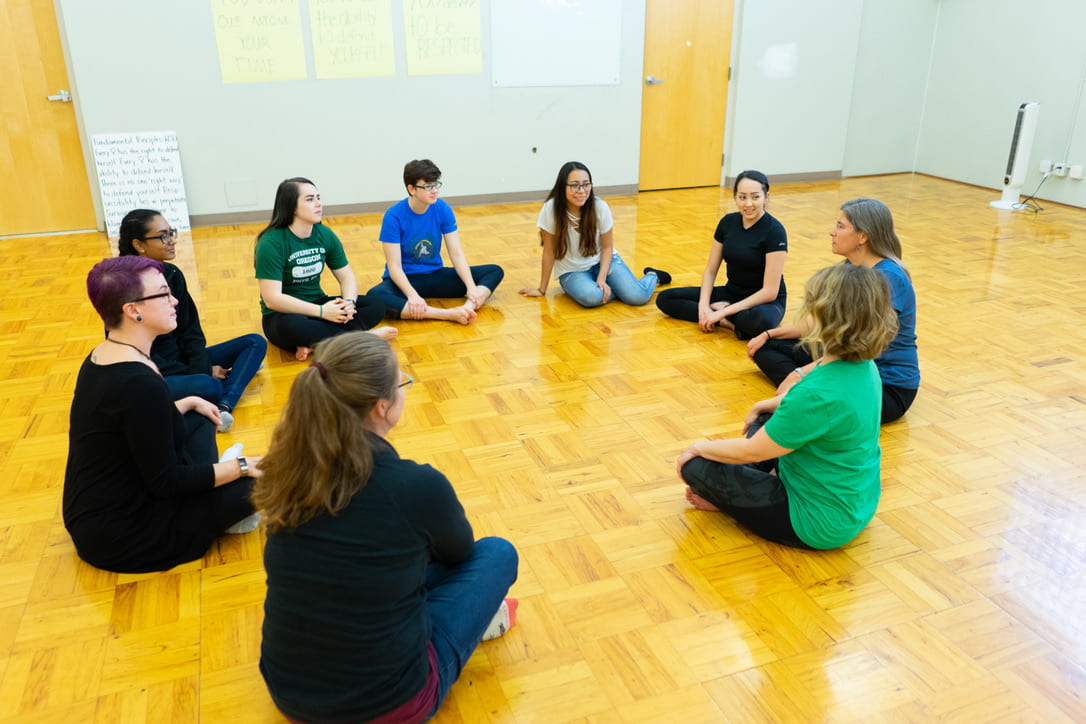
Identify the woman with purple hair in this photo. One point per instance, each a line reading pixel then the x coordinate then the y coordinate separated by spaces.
pixel 142 490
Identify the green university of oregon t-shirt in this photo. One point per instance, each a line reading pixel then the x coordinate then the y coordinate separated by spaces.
pixel 298 263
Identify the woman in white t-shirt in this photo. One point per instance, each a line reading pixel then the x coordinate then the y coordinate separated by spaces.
pixel 575 231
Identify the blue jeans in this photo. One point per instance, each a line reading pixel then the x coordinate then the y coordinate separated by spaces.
pixel 582 286
pixel 241 355
pixel 462 600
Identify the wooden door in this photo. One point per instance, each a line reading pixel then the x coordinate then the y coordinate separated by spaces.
pixel 43 178
pixel 687 52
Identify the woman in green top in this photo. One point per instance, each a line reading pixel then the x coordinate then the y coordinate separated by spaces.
pixel 291 253
pixel 807 474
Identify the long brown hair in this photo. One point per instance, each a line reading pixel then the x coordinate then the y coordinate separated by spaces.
pixel 286 203
pixel 320 454
pixel 849 305
pixel 588 221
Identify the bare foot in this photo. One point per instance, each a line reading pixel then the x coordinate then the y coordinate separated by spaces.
pixel 302 353
pixel 463 314
pixel 385 333
pixel 699 502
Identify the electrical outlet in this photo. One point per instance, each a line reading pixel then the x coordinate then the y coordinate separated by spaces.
pixel 1046 167
pixel 1059 169
pixel 1076 172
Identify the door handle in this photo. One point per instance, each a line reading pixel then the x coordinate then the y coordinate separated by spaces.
pixel 650 80
pixel 62 96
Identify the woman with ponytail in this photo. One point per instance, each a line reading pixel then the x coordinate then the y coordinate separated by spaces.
pixel 378 592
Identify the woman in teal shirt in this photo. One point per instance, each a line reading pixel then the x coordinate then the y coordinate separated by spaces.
pixel 807 474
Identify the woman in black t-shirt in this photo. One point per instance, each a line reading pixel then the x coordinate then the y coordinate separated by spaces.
pixel 754 246
pixel 378 592
pixel 142 490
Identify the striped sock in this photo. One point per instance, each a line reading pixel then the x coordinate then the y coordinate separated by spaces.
pixel 503 620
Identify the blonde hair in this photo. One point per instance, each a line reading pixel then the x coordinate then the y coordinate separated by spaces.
pixel 320 455
pixel 849 306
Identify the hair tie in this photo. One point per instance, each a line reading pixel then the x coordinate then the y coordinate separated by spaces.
pixel 320 368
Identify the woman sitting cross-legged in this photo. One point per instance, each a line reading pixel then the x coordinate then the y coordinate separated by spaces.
pixel 576 232
pixel 753 246
pixel 864 235
pixel 378 592
pixel 807 474
pixel 142 490
pixel 291 254
pixel 218 373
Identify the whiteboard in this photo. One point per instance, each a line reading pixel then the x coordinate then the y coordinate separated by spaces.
pixel 140 171
pixel 555 42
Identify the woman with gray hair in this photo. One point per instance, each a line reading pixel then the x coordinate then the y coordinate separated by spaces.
pixel 864 235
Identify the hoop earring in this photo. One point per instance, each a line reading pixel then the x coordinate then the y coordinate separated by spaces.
pixel 139 317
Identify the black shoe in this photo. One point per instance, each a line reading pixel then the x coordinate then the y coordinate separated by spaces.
pixel 661 275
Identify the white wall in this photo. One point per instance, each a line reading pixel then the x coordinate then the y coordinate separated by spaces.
pixel 150 66
pixel 891 75
pixel 792 85
pixel 990 56
pixel 876 86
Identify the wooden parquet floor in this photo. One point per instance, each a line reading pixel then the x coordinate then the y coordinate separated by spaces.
pixel 559 427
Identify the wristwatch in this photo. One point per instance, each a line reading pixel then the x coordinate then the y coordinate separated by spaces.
pixel 244 465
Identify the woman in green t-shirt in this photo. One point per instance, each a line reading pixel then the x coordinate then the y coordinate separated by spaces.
pixel 291 253
pixel 807 474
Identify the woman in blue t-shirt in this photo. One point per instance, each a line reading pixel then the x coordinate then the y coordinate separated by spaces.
pixel 864 235
pixel 754 246
pixel 807 474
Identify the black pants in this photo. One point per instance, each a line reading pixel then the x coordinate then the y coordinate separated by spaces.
pixel 752 494
pixel 443 283
pixel 778 357
pixel 297 330
pixel 682 303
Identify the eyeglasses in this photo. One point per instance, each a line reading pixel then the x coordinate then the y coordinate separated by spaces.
pixel 429 187
pixel 406 384
pixel 165 237
pixel 152 296
pixel 580 187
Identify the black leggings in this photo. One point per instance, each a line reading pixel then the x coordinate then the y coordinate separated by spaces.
pixel 297 330
pixel 443 283
pixel 778 357
pixel 752 494
pixel 682 303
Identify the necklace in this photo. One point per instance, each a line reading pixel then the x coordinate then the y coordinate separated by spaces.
pixel 126 344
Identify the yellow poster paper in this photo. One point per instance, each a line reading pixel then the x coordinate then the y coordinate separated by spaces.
pixel 442 36
pixel 259 40
pixel 352 38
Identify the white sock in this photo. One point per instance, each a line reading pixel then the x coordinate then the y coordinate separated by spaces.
pixel 231 453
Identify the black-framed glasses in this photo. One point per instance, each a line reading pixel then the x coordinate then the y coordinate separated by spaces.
pixel 580 187
pixel 152 296
pixel 406 384
pixel 165 237
pixel 429 187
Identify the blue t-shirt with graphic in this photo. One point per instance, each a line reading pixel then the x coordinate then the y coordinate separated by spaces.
pixel 419 235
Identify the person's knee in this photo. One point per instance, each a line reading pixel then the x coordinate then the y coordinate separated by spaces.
pixel 494 274
pixel 501 555
pixel 694 471
pixel 256 342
